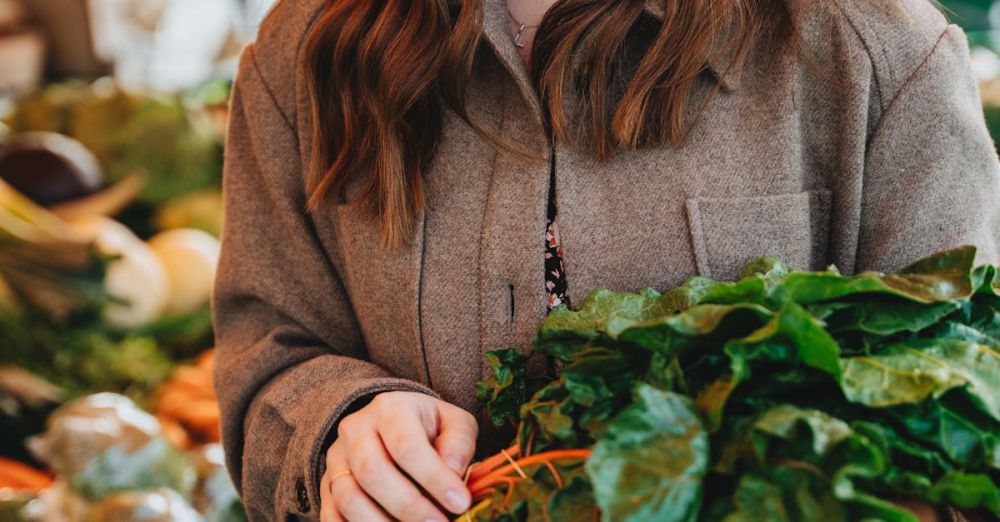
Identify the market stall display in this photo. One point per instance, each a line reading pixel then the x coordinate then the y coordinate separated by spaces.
pixel 112 462
pixel 110 210
pixel 108 247
pixel 784 396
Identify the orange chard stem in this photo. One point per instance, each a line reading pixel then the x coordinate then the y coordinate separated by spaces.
pixel 500 474
pixel 483 468
pixel 555 475
pixel 486 493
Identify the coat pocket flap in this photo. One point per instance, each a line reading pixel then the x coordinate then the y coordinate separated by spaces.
pixel 727 233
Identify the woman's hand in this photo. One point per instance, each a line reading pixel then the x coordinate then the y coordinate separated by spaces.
pixel 392 451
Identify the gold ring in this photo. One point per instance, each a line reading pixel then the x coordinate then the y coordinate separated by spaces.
pixel 334 478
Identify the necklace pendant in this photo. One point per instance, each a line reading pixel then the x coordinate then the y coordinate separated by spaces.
pixel 517 37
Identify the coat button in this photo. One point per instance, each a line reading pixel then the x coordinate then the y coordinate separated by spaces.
pixel 302 496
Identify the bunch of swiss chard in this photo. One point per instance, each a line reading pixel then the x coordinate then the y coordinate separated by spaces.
pixel 784 396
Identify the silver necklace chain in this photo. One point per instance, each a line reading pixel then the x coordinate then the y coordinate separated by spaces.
pixel 521 27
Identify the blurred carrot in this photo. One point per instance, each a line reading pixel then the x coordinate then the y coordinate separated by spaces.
pixel 20 476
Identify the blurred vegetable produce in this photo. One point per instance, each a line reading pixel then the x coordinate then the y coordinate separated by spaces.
pixel 44 262
pixel 102 445
pixel 113 463
pixel 215 497
pixel 49 168
pixel 136 281
pixel 159 505
pixel 201 210
pixel 81 355
pixel 12 504
pixel 87 172
pixel 108 202
pixel 21 477
pixel 190 258
pixel 187 401
pixel 179 153
pixel 66 285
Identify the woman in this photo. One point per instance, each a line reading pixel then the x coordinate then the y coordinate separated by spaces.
pixel 396 171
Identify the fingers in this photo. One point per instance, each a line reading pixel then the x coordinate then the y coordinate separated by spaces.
pixel 456 442
pixel 341 499
pixel 354 504
pixel 411 449
pixel 327 511
pixel 402 448
pixel 376 473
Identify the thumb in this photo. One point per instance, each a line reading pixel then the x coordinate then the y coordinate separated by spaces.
pixel 456 440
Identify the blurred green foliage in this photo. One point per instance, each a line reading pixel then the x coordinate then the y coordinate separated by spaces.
pixel 81 355
pixel 176 147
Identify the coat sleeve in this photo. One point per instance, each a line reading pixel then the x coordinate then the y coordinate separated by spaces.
pixel 290 355
pixel 932 177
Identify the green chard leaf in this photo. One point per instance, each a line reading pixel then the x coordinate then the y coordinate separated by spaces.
pixel 650 463
pixel 506 390
pixel 688 295
pixel 552 413
pixel 957 489
pixel 887 317
pixel 754 440
pixel 954 330
pixel 770 269
pixel 942 277
pixel 757 500
pixel 949 428
pixel 902 451
pixel 600 383
pixel 575 501
pixel 750 335
pixel 791 336
pixel 602 311
pixel 813 459
pixel 783 421
pixel 911 372
pixel 967 491
pixel 759 278
pixel 704 326
pixel 986 280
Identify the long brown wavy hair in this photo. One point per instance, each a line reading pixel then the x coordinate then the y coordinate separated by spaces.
pixel 383 71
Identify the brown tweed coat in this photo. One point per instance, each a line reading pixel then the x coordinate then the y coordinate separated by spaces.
pixel 311 315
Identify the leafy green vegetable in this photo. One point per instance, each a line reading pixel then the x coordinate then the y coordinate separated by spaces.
pixel 657 451
pixel 82 356
pixel 602 311
pixel 910 372
pixel 506 389
pixel 782 396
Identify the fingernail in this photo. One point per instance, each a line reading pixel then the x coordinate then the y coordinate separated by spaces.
pixel 456 464
pixel 457 502
pixel 433 520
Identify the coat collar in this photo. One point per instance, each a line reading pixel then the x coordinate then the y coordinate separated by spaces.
pixel 495 29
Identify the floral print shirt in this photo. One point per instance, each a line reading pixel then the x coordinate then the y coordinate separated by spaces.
pixel 555 269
